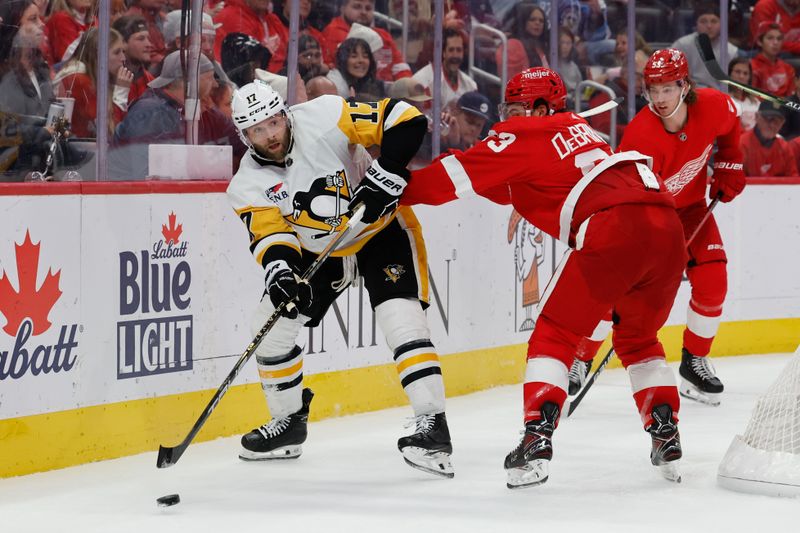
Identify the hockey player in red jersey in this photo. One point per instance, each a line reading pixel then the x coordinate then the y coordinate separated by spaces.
pixel 626 253
pixel 678 130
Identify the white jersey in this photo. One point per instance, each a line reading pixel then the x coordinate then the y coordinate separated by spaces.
pixel 302 204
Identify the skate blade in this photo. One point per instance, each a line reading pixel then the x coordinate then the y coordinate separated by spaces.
pixel 437 463
pixel 671 471
pixel 285 452
pixel 690 392
pixel 534 473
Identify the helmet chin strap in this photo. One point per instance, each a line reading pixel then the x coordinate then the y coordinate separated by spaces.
pixel 680 101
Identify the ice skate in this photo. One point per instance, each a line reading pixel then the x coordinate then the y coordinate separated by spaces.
pixel 577 375
pixel 529 463
pixel 280 438
pixel 666 452
pixel 699 381
pixel 429 448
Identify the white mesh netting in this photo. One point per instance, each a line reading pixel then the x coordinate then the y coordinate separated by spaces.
pixel 766 459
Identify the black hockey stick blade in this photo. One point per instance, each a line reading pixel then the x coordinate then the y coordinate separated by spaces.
pixel 712 65
pixel 574 403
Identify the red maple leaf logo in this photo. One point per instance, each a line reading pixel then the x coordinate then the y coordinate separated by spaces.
pixel 172 232
pixel 28 302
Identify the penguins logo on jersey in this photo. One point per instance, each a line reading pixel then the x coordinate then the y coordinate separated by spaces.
pixel 324 204
pixel 393 272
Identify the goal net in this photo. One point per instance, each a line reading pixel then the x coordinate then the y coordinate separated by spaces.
pixel 766 459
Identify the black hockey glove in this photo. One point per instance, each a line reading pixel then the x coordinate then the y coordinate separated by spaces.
pixel 283 286
pixel 379 191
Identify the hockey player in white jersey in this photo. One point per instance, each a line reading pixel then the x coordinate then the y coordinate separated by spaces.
pixel 305 166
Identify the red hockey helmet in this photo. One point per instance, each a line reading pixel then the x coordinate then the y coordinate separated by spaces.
pixel 665 66
pixel 537 83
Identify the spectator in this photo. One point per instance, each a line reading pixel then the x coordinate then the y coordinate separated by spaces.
pixel 355 72
pixel 707 16
pixel 241 56
pixel 794 144
pixel 569 71
pixel 791 128
pixel 67 22
pixel 319 85
pixel 455 82
pixel 517 58
pixel 281 85
pixel 588 22
pixel 770 73
pixel 619 85
pixel 765 152
pixel 279 24
pixel 78 80
pixel 248 17
pixel 158 118
pixel 150 11
pixel 309 58
pixel 172 38
pixel 25 89
pixel 528 26
pixel 391 64
pixel 466 119
pixel 785 13
pixel 739 70
pixel 221 97
pixel 138 52
pixel 621 53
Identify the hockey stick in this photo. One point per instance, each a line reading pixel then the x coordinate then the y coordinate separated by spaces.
pixel 169 456
pixel 602 108
pixel 589 382
pixel 707 55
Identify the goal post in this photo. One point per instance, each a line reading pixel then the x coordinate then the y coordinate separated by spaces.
pixel 766 458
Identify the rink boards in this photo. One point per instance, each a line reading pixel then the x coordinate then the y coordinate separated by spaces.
pixel 124 306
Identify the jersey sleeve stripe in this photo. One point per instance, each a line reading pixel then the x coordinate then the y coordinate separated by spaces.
pixel 458 176
pixel 400 112
pixel 275 240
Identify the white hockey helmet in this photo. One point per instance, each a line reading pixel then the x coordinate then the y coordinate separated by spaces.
pixel 255 102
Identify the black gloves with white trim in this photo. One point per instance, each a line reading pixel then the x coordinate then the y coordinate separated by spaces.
pixel 284 286
pixel 379 191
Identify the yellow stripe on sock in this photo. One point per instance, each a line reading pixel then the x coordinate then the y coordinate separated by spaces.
pixel 280 373
pixel 421 358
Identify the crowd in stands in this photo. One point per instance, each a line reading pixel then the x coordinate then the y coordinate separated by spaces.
pixel 48 54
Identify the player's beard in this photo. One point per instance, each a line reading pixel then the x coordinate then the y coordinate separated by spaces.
pixel 275 153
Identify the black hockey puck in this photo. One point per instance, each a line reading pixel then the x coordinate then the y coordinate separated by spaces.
pixel 168 500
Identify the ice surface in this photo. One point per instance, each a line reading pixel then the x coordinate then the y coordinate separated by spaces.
pixel 352 478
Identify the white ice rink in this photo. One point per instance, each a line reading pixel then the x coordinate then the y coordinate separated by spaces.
pixel 352 478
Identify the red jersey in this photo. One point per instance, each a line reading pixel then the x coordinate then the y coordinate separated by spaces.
pixel 279 28
pixel 777 159
pixel 773 77
pixel 777 12
pixel 391 65
pixel 238 17
pixel 556 171
pixel 62 30
pixel 680 158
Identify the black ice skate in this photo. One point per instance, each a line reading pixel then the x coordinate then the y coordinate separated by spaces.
pixel 666 450
pixel 429 448
pixel 699 382
pixel 529 463
pixel 280 438
pixel 577 375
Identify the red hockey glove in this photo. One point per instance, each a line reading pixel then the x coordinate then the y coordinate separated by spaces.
pixel 727 182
